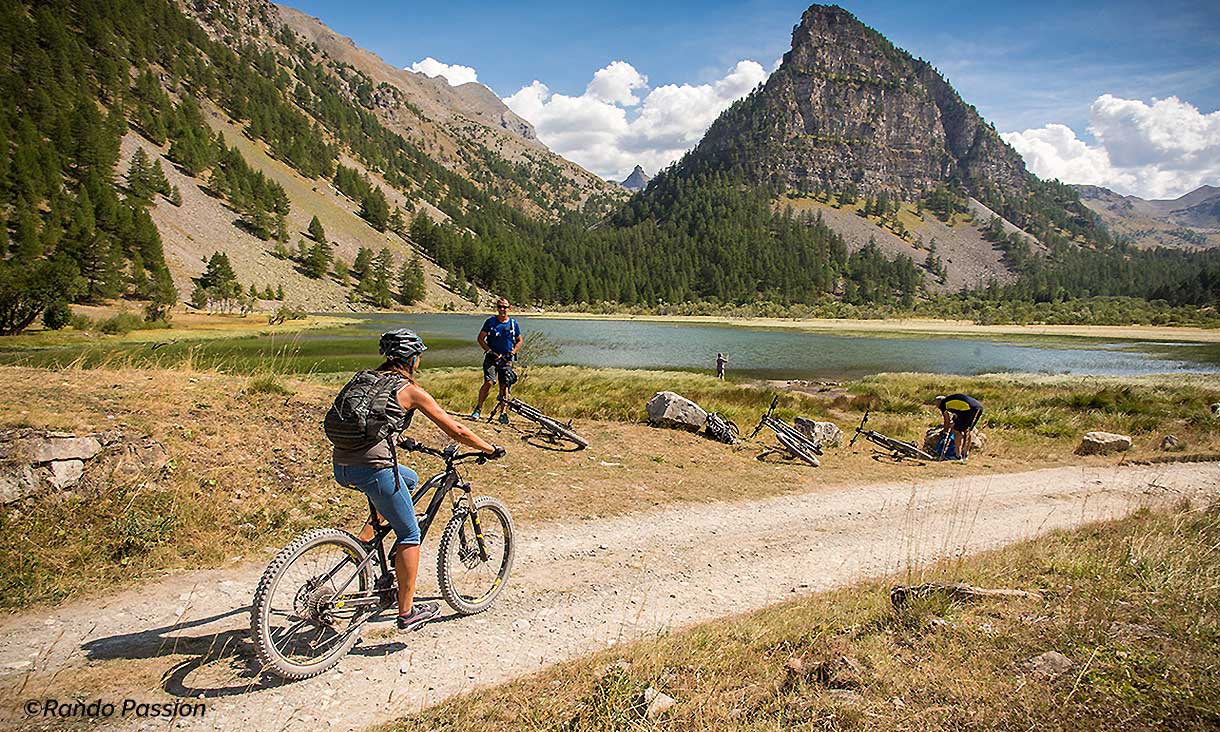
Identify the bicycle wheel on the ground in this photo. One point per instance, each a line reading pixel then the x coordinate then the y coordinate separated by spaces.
pixel 906 449
pixel 297 623
pixel 797 449
pixel 563 432
pixel 469 583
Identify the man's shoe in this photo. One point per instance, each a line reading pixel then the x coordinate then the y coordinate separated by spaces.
pixel 421 613
pixel 476 414
pixel 503 418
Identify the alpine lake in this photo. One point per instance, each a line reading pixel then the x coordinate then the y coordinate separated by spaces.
pixel 754 352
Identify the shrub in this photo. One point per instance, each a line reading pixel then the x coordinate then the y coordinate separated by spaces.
pixel 57 315
pixel 120 324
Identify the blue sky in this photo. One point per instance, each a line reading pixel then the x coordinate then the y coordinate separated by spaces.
pixel 1024 65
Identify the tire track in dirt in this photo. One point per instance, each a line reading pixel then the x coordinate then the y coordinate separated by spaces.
pixel 575 588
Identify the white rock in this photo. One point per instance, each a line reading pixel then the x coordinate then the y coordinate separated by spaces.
pixel 65 473
pixel 1103 443
pixel 1050 664
pixel 673 410
pixel 658 702
pixel 826 434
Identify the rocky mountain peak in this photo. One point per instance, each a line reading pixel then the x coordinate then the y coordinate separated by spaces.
pixel 637 181
pixel 846 107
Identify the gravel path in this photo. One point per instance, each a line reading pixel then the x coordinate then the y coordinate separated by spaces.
pixel 575 588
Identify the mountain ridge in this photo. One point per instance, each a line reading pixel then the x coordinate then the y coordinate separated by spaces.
pixel 1189 221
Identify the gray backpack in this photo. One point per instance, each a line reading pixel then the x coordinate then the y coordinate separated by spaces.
pixel 358 419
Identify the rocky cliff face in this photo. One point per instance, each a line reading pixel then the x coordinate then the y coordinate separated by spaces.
pixel 846 106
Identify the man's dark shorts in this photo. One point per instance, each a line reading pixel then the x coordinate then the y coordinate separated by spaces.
pixel 493 367
pixel 965 421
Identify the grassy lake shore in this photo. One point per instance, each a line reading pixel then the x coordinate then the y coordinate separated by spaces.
pixel 213 502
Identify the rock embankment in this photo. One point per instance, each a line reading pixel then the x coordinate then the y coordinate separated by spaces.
pixel 34 461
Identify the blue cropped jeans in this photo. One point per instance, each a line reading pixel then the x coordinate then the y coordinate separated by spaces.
pixel 395 506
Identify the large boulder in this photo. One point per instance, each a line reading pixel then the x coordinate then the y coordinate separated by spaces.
pixel 667 409
pixel 1103 443
pixel 931 438
pixel 825 434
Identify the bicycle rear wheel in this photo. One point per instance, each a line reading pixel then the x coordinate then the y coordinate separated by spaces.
pixel 469 583
pixel 298 621
pixel 905 449
pixel 563 432
pixel 797 449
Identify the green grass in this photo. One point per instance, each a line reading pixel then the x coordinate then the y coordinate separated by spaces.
pixel 1135 605
pixel 618 394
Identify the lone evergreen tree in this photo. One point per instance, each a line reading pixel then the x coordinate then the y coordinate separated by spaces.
pixel 315 230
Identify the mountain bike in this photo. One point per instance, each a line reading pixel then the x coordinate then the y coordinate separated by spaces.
pixel 897 448
pixel 722 429
pixel 320 590
pixel 794 441
pixel 553 428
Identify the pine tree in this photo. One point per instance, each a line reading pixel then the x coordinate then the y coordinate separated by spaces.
pixel 219 279
pixel 375 209
pixel 139 176
pixel 381 273
pixel 316 231
pixel 317 261
pixel 157 181
pixel 360 267
pixel 411 281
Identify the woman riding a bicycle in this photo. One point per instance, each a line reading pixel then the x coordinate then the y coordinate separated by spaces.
pixel 373 470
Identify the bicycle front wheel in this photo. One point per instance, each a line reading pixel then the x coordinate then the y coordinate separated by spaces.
pixel 472 568
pixel 300 620
pixel 797 449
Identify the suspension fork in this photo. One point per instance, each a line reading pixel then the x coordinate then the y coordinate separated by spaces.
pixel 474 522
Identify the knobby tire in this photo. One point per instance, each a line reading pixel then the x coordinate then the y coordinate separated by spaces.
pixel 797 449
pixel 269 656
pixel 447 555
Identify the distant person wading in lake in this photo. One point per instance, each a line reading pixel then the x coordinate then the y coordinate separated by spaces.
pixel 721 360
pixel 500 338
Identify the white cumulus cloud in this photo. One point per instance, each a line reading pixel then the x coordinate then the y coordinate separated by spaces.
pixel 619 121
pixel 455 74
pixel 1157 150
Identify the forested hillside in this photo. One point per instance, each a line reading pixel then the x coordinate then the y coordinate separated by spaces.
pixel 263 157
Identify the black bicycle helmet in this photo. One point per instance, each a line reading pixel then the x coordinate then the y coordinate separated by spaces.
pixel 401 345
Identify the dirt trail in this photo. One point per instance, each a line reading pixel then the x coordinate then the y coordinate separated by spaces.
pixel 576 588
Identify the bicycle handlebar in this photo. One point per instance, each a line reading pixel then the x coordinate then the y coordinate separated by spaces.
pixel 450 453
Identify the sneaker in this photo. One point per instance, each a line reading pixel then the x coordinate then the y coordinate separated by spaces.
pixel 503 418
pixel 421 613
pixel 476 414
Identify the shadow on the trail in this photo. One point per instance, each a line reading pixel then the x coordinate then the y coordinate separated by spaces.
pixel 221 663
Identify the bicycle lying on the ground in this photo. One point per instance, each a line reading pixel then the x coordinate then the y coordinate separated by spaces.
pixel 897 448
pixel 320 590
pixel 553 428
pixel 794 441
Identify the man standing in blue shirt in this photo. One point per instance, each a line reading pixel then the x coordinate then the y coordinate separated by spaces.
pixel 500 338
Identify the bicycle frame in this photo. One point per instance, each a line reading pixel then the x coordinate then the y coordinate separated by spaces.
pixel 894 445
pixel 781 427
pixel 442 484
